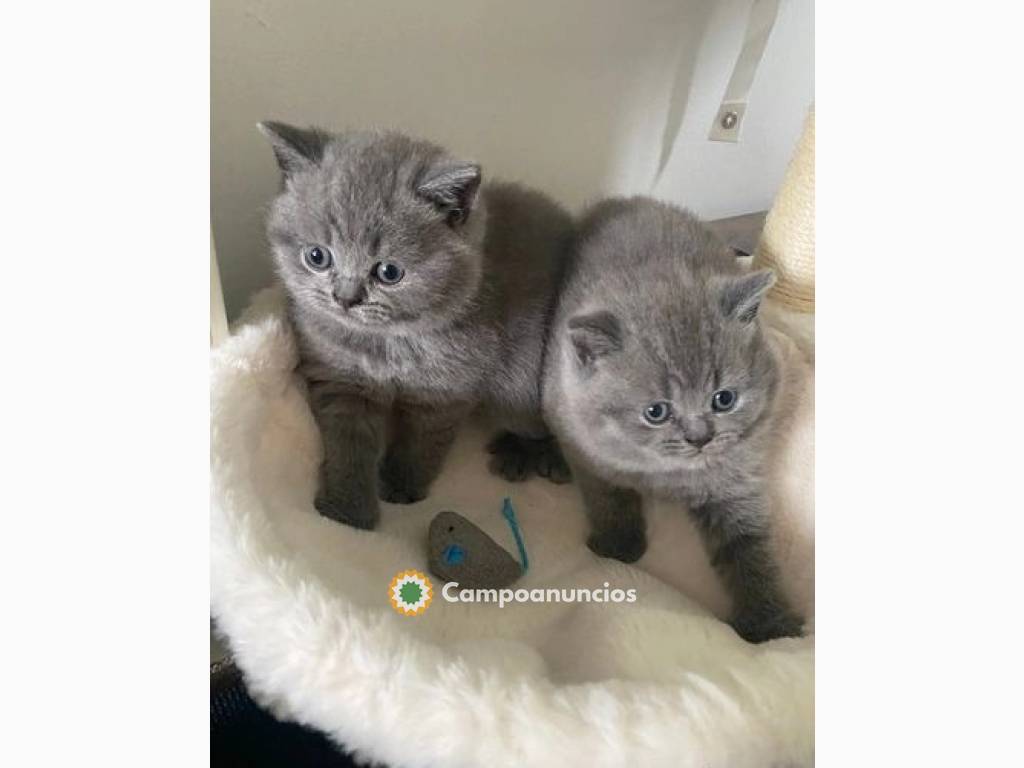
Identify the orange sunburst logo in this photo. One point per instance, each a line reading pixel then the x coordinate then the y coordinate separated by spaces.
pixel 410 593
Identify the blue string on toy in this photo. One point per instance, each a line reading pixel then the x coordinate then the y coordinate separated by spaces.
pixel 509 513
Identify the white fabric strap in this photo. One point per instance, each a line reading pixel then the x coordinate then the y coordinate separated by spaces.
pixel 759 28
pixel 218 317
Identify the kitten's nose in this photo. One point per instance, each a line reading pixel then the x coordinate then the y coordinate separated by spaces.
pixel 347 296
pixel 696 432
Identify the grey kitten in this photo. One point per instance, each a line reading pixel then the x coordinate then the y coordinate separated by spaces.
pixel 659 380
pixel 416 295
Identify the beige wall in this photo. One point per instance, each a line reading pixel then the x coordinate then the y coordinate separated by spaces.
pixel 578 97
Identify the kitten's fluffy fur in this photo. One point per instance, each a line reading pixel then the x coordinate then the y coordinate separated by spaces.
pixel 655 309
pixel 394 368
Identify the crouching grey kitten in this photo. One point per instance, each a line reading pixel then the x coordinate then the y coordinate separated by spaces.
pixel 659 380
pixel 416 295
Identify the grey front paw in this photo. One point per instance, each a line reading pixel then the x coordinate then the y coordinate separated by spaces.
pixel 398 485
pixel 551 463
pixel 516 458
pixel 401 495
pixel 763 625
pixel 509 457
pixel 626 545
pixel 363 515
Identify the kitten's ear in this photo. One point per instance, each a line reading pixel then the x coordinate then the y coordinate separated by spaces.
pixel 741 296
pixel 595 335
pixel 295 148
pixel 453 189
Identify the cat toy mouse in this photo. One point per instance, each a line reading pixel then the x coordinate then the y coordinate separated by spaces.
pixel 460 551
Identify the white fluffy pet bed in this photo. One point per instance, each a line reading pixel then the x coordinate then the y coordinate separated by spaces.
pixel 303 603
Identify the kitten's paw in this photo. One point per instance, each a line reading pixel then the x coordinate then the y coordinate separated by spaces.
pixel 509 457
pixel 761 626
pixel 363 516
pixel 516 458
pixel 398 495
pixel 551 463
pixel 397 484
pixel 625 545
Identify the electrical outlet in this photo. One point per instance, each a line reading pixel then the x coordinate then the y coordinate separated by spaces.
pixel 728 121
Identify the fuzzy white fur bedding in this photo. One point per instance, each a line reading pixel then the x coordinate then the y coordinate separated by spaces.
pixel 303 603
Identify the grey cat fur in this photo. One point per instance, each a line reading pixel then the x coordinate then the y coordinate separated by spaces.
pixel 394 369
pixel 654 308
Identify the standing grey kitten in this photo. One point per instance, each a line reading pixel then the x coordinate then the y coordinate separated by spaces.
pixel 659 380
pixel 415 296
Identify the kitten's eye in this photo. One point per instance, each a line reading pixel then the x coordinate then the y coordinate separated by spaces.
pixel 723 400
pixel 657 413
pixel 388 273
pixel 317 258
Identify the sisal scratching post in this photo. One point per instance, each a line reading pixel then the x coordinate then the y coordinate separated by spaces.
pixel 787 242
pixel 787 246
